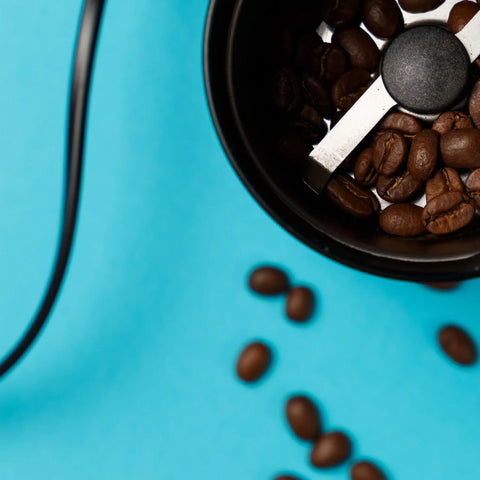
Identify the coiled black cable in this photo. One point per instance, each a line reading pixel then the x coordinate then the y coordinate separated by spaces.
pixel 79 90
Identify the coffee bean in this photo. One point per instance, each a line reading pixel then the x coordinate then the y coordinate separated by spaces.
pixel 445 180
pixel 330 450
pixel 389 152
pixel 294 148
pixel 299 304
pixel 310 124
pixel 253 362
pixel 362 51
pixel 302 416
pixel 457 344
pixel 443 286
pixel 336 118
pixel 351 197
pixel 451 121
pixel 419 6
pixel 472 186
pixel 401 122
pixel 286 90
pixel 448 212
pixel 474 104
pixel 398 188
pixel 365 471
pixel 461 148
pixel 461 14
pixel 305 45
pixel 382 17
pixel 327 62
pixel 349 87
pixel 268 280
pixel 317 95
pixel 423 154
pixel 403 219
pixel 339 13
pixel 363 171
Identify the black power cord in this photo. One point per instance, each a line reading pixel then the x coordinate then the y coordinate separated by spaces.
pixel 81 77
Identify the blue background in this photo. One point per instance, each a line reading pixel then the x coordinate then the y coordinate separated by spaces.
pixel 133 378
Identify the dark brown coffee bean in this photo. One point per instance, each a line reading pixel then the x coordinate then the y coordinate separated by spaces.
pixel 403 219
pixel 445 180
pixel 286 90
pixel 382 17
pixel 398 188
pixel 302 416
pixel 317 95
pixel 451 121
pixel 268 280
pixel 389 152
pixel 364 172
pixel 327 62
pixel 474 104
pixel 472 186
pixel 253 361
pixel 457 344
pixel 448 213
pixel 349 87
pixel 365 471
pixel 419 6
pixel 423 154
pixel 443 286
pixel 461 148
pixel 401 122
pixel 461 14
pixel 294 148
pixel 339 13
pixel 310 124
pixel 299 304
pixel 336 118
pixel 330 450
pixel 305 45
pixel 351 197
pixel 362 51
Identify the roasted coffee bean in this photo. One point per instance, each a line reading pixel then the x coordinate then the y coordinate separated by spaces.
pixel 305 45
pixel 382 17
pixel 286 90
pixel 302 416
pixel 423 154
pixel 445 180
pixel 398 188
pixel 389 152
pixel 365 471
pixel 268 280
pixel 472 186
pixel 474 104
pixel 351 197
pixel 451 121
pixel 362 51
pixel 364 172
pixel 317 95
pixel 403 219
pixel 443 286
pixel 401 122
pixel 294 148
pixel 299 304
pixel 327 62
pixel 349 87
pixel 457 344
pixel 419 6
pixel 310 124
pixel 461 14
pixel 448 213
pixel 339 13
pixel 253 361
pixel 461 148
pixel 336 118
pixel 330 450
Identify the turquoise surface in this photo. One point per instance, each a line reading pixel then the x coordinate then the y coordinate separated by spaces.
pixel 133 378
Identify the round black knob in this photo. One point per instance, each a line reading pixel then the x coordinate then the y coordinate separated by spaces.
pixel 425 69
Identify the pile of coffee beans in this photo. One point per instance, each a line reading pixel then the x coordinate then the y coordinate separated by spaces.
pixel 426 175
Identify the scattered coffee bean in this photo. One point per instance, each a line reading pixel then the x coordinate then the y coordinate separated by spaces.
pixel 327 62
pixel 382 17
pixel 365 471
pixel 294 148
pixel 299 304
pixel 403 219
pixel 362 51
pixel 302 416
pixel 443 286
pixel 461 14
pixel 349 87
pixel 423 154
pixel 310 124
pixel 401 122
pixel 451 121
pixel 339 13
pixel 364 172
pixel 448 213
pixel 351 197
pixel 472 186
pixel 253 362
pixel 474 104
pixel 268 281
pixel 398 188
pixel 330 450
pixel 286 90
pixel 419 6
pixel 389 152
pixel 461 148
pixel 305 45
pixel 317 95
pixel 445 180
pixel 457 344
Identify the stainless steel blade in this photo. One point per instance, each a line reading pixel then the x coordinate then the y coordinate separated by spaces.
pixel 470 37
